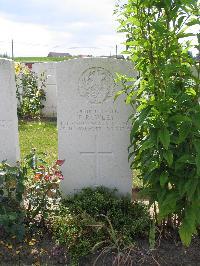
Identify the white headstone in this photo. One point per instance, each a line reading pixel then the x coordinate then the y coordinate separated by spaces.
pixel 50 105
pixel 9 142
pixel 93 129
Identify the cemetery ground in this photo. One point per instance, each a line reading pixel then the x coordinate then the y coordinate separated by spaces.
pixel 39 135
pixel 79 227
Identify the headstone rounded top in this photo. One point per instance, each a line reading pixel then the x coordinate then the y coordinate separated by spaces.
pixel 96 84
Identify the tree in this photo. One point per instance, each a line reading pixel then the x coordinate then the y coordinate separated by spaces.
pixel 165 134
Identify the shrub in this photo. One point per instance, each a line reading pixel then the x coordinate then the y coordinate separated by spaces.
pixel 96 218
pixel 120 211
pixel 12 187
pixel 165 134
pixel 30 92
pixel 42 187
pixel 78 232
pixel 28 193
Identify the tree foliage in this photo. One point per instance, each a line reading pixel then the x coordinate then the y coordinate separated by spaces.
pixel 165 134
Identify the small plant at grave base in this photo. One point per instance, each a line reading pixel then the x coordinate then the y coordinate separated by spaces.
pixel 165 134
pixel 118 246
pixel 30 92
pixel 29 192
pixel 42 189
pixel 98 218
pixel 12 214
pixel 78 232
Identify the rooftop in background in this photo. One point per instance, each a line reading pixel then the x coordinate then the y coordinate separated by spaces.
pixel 56 54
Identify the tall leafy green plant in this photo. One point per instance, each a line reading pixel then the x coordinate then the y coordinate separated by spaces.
pixel 30 92
pixel 165 134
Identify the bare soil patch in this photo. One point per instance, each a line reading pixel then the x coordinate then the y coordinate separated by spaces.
pixel 41 249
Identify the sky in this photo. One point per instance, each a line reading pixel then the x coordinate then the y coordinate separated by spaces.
pixel 74 26
pixel 37 27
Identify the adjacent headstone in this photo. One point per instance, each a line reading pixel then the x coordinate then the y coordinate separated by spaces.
pixel 9 142
pixel 50 105
pixel 93 129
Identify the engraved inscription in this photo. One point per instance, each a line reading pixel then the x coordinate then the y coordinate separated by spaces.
pixel 94 120
pixel 96 84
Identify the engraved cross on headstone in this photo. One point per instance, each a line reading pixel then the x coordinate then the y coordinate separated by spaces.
pixel 97 153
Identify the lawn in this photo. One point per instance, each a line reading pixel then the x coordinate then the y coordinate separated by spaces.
pixel 39 135
pixel 41 59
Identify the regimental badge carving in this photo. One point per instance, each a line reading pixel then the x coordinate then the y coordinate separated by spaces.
pixel 96 84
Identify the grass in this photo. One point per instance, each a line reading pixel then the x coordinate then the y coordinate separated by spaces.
pixel 41 59
pixel 39 135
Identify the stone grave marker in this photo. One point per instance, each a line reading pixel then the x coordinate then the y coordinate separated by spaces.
pixel 49 69
pixel 92 129
pixel 9 142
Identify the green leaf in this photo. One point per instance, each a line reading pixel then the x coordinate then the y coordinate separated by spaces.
pixel 196 120
pixel 152 166
pixel 131 43
pixel 185 235
pixel 184 131
pixel 191 91
pixel 134 20
pixel 188 227
pixel 118 94
pixel 12 216
pixel 180 21
pixel 181 187
pixel 197 146
pixel 186 158
pixel 126 52
pixel 164 177
pixel 193 22
pixel 168 205
pixel 197 160
pixel 168 155
pixel 191 186
pixel 138 121
pixel 184 35
pixel 148 144
pixel 158 26
pixel 164 137
pixel 134 129
pixel 129 98
pixel 180 118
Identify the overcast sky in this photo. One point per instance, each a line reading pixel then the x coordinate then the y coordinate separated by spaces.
pixel 75 26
